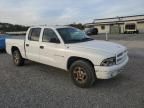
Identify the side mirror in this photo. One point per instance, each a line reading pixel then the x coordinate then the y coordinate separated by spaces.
pixel 54 40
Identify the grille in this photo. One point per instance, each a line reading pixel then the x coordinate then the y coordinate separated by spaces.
pixel 121 57
pixel 120 54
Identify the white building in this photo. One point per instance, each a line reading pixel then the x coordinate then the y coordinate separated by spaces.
pixel 126 24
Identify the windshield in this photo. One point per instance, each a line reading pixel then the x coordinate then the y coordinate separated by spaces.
pixel 73 35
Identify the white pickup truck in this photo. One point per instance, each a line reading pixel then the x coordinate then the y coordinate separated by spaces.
pixel 70 49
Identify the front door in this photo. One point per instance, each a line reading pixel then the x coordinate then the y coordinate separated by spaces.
pixel 50 48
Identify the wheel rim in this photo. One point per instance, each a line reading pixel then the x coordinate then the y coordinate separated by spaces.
pixel 16 57
pixel 79 74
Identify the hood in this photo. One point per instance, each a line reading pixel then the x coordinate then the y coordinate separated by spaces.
pixel 98 45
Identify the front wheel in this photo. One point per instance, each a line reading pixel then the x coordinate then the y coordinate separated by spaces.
pixel 82 73
pixel 17 58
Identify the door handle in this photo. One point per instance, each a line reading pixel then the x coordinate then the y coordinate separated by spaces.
pixel 41 47
pixel 27 45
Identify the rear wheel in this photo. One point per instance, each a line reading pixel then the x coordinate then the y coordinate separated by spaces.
pixel 82 73
pixel 17 58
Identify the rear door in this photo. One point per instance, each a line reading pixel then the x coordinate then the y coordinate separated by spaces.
pixel 32 44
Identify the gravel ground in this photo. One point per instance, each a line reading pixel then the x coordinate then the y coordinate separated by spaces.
pixel 39 86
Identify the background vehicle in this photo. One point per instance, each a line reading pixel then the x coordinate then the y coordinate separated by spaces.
pixel 2 42
pixel 70 49
pixel 92 31
pixel 3 38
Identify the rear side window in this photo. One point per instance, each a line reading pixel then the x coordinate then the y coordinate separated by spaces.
pixel 34 34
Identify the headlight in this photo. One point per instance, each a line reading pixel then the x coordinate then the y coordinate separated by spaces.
pixel 109 62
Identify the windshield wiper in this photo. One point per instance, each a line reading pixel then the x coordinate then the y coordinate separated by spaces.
pixel 79 40
pixel 87 39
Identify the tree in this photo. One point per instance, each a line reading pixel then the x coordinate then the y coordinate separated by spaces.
pixel 6 27
pixel 79 26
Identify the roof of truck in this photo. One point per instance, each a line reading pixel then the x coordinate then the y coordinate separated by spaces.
pixel 45 26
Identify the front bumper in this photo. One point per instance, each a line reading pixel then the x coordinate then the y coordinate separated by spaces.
pixel 109 72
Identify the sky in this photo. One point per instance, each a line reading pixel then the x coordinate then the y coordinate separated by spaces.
pixel 62 12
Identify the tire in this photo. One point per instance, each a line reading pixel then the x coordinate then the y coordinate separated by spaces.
pixel 137 32
pixel 17 58
pixel 82 74
pixel 2 51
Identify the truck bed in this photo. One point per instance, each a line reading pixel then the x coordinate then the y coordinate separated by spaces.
pixel 15 41
pixel 22 37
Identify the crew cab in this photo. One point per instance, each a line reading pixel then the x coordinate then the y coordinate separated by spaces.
pixel 70 49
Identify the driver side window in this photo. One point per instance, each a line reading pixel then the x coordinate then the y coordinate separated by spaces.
pixel 50 36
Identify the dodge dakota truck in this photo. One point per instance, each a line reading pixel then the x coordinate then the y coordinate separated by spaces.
pixel 70 49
